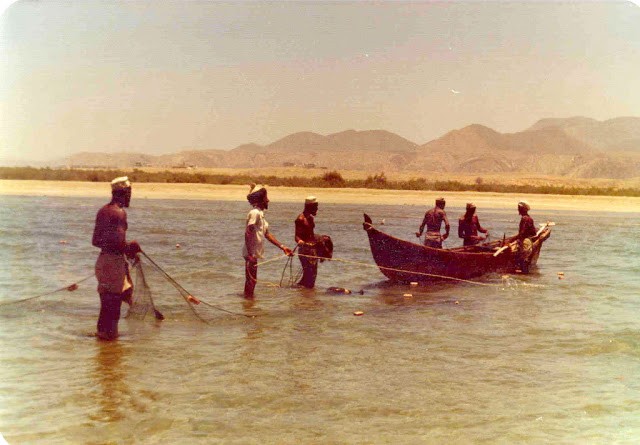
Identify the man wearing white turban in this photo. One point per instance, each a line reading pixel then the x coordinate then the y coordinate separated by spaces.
pixel 112 269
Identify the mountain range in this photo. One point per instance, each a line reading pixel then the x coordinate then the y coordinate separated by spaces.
pixel 576 147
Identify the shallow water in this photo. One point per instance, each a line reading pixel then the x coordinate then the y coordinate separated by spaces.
pixel 527 359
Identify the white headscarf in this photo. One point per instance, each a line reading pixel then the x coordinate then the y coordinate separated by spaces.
pixel 120 183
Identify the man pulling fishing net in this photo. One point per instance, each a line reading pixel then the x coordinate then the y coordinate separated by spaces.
pixel 257 229
pixel 112 268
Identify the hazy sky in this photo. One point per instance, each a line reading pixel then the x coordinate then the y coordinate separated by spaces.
pixel 159 76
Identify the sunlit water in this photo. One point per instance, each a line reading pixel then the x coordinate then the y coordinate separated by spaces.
pixel 528 359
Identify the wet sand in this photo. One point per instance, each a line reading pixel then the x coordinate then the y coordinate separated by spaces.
pixel 342 196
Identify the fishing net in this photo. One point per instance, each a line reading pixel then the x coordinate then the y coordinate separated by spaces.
pixel 142 300
pixel 157 293
pixel 151 281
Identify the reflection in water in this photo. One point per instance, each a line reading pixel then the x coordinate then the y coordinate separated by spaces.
pixel 307 301
pixel 248 304
pixel 111 380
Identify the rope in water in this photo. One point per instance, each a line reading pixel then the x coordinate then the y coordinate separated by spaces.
pixel 69 288
pixel 73 286
pixel 359 263
pixel 182 289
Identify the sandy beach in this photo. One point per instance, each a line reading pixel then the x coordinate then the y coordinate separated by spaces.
pixel 340 195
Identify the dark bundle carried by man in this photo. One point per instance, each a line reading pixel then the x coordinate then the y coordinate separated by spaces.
pixel 324 247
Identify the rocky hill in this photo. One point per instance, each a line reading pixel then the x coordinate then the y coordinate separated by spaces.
pixel 618 134
pixel 576 147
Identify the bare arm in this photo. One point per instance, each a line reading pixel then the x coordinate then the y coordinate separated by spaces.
pixel 421 229
pixel 480 228
pixel 277 243
pixel 447 227
pixel 299 230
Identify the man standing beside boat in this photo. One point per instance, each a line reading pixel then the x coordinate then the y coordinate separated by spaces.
pixel 257 229
pixel 112 269
pixel 469 226
pixel 526 231
pixel 433 220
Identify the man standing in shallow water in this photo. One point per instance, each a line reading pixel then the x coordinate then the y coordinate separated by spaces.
pixel 306 239
pixel 257 229
pixel 112 269
pixel 433 220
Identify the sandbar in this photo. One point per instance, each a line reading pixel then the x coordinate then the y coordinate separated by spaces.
pixel 327 195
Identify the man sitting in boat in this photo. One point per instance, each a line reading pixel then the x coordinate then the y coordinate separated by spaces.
pixel 433 220
pixel 469 226
pixel 526 231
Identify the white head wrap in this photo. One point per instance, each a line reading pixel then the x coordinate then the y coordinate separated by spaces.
pixel 310 200
pixel 120 183
pixel 255 188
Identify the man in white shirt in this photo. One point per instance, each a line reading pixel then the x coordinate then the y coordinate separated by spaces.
pixel 256 231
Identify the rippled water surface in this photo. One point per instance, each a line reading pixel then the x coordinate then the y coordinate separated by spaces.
pixel 527 359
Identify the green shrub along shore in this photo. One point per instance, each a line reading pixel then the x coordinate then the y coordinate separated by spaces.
pixel 331 179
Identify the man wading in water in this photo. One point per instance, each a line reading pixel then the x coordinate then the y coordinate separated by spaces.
pixel 433 220
pixel 306 239
pixel 112 269
pixel 256 231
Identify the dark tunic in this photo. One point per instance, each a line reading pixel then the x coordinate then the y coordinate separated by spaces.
pixel 468 230
pixel 524 245
pixel 304 231
pixel 527 228
pixel 304 228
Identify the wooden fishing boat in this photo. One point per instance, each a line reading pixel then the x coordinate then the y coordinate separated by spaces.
pixel 401 260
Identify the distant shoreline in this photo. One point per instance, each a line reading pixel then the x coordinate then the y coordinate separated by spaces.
pixel 440 182
pixel 363 196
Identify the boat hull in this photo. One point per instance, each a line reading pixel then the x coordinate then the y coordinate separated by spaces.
pixel 401 260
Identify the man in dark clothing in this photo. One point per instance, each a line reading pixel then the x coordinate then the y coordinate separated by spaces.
pixel 112 268
pixel 306 239
pixel 527 227
pixel 469 226
pixel 526 231
pixel 433 220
